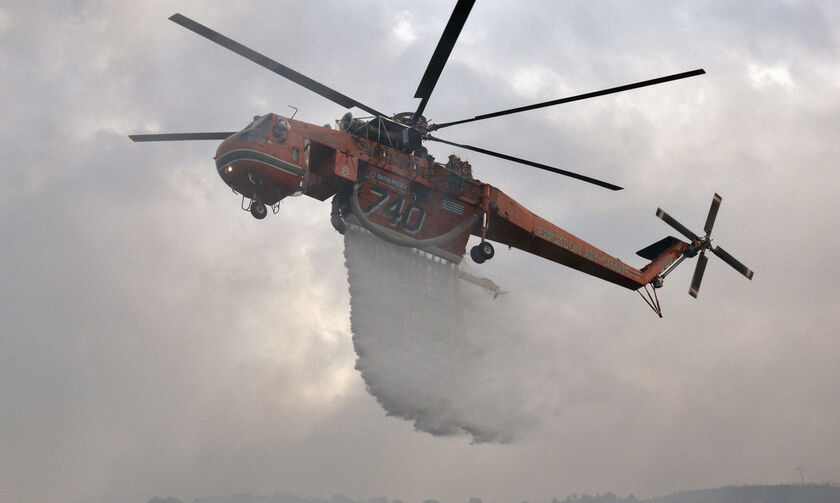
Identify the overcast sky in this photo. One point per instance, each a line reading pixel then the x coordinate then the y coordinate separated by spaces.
pixel 156 340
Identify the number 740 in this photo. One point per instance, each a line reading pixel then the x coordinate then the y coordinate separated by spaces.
pixel 410 215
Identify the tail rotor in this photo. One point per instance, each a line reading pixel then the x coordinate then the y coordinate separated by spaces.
pixel 699 245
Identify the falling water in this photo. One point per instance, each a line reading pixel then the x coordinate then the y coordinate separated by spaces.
pixel 435 349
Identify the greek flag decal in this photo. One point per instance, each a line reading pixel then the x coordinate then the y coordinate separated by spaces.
pixel 453 207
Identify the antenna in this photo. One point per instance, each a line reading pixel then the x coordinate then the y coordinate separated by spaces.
pixel 801 470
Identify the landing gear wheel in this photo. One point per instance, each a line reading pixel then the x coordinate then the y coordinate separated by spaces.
pixel 487 250
pixel 477 256
pixel 258 210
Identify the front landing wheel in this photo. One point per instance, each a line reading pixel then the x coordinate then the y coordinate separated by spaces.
pixel 482 252
pixel 476 255
pixel 258 210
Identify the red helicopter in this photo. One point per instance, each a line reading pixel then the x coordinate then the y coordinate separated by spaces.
pixel 379 175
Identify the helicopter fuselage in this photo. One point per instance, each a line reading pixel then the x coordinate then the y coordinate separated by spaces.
pixel 380 175
pixel 404 198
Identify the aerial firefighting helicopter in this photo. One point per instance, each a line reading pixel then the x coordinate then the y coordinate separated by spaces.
pixel 379 175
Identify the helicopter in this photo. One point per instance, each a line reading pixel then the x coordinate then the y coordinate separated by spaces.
pixel 381 177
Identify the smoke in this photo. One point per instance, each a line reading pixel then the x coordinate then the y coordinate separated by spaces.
pixel 440 351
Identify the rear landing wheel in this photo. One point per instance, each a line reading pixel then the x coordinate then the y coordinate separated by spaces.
pixel 258 210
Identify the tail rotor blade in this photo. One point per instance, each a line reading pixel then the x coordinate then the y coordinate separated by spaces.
pixel 668 219
pixel 713 210
pixel 732 261
pixel 698 275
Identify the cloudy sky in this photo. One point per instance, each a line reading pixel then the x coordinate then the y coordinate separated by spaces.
pixel 156 340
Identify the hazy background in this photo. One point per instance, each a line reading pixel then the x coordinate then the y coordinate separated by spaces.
pixel 155 340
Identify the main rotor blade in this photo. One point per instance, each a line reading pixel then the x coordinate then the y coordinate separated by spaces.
pixel 729 259
pixel 676 225
pixel 698 274
pixel 713 210
pixel 441 54
pixel 272 65
pixel 528 163
pixel 180 136
pixel 579 97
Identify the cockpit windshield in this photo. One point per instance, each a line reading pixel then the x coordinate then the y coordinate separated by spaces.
pixel 256 131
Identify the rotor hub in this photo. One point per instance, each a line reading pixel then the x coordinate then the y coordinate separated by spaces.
pixel 421 124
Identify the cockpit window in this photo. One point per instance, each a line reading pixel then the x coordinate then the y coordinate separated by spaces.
pixel 256 131
pixel 281 130
pixel 249 126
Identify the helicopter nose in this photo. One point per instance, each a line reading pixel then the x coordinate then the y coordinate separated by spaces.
pixel 256 171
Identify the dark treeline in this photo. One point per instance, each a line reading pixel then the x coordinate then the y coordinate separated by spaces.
pixel 810 493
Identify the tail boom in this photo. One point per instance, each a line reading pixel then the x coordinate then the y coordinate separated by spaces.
pixel 512 224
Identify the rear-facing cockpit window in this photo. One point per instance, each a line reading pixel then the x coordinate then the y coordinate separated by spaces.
pixel 281 130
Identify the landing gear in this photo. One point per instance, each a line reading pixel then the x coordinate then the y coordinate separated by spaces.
pixel 487 250
pixel 482 252
pixel 258 210
pixel 476 255
pixel 340 208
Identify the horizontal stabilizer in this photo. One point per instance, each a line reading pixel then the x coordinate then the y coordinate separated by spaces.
pixel 656 249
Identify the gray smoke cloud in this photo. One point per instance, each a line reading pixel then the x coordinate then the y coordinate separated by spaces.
pixel 156 340
pixel 442 352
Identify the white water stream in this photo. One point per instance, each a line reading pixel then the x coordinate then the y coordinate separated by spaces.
pixel 437 350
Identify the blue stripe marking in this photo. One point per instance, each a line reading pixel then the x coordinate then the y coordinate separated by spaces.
pixel 253 155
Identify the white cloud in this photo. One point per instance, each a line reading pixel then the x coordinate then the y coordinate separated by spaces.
pixel 5 21
pixel 766 75
pixel 402 29
pixel 158 340
pixel 536 82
